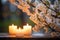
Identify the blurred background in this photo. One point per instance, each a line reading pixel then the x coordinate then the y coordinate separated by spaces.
pixel 10 14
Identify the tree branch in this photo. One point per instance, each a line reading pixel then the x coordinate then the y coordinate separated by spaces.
pixel 51 9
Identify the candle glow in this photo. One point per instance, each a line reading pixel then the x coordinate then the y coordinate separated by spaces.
pixel 25 31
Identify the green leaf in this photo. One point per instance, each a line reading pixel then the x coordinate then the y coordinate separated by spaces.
pixel 47 2
pixel 30 22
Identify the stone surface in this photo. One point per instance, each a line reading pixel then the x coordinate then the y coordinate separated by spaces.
pixel 34 35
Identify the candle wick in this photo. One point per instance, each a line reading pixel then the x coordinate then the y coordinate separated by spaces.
pixel 12 24
pixel 27 24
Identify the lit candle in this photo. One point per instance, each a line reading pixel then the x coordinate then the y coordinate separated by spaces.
pixel 19 32
pixel 12 29
pixel 27 29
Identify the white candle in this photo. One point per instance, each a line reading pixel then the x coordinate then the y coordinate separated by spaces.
pixel 19 32
pixel 27 29
pixel 12 29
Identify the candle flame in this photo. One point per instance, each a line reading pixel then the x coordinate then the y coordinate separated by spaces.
pixel 19 28
pixel 12 25
pixel 27 24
